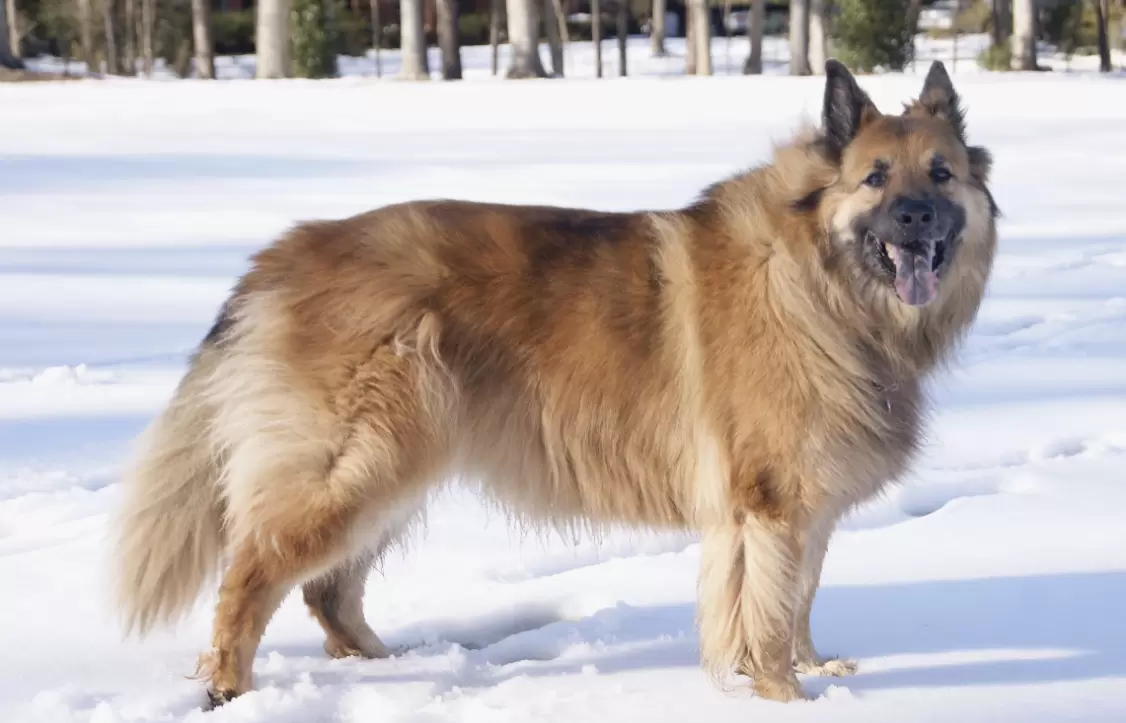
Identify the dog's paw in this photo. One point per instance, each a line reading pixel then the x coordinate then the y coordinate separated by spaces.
pixel 217 698
pixel 833 667
pixel 782 690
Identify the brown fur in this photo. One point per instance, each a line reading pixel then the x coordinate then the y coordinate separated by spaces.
pixel 726 368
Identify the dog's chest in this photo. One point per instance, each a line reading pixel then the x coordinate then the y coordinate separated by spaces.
pixel 855 461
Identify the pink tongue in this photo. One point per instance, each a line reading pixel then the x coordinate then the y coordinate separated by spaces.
pixel 915 283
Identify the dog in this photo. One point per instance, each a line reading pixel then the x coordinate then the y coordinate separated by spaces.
pixel 748 368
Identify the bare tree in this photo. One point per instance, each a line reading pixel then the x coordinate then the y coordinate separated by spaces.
pixel 623 35
pixel 8 58
pixel 111 38
pixel 86 32
pixel 701 36
pixel 415 63
pixel 449 39
pixel 523 40
pixel 271 39
pixel 130 31
pixel 596 35
pixel 495 7
pixel 10 18
pixel 376 37
pixel 556 8
pixel 201 34
pixel 1024 34
pixel 818 40
pixel 689 42
pixel 1002 21
pixel 799 37
pixel 914 8
pixel 657 28
pixel 554 39
pixel 1102 15
pixel 753 66
pixel 148 25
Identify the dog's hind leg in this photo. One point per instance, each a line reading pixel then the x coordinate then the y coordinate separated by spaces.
pixel 283 552
pixel 315 537
pixel 306 498
pixel 806 659
pixel 336 599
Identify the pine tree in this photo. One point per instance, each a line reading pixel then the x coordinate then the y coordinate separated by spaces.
pixel 314 39
pixel 874 34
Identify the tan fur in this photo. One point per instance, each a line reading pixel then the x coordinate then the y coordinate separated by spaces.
pixel 724 368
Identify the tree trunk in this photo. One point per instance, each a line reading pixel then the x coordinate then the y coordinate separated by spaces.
pixel 701 36
pixel 111 39
pixel 799 37
pixel 201 35
pixel 86 32
pixel 449 39
pixel 623 36
pixel 415 63
pixel 524 40
pixel 564 34
pixel 8 57
pixel 376 37
pixel 727 35
pixel 753 66
pixel 130 30
pixel 1002 21
pixel 1102 17
pixel 554 41
pixel 689 42
pixel 494 33
pixel 148 24
pixel 657 29
pixel 914 8
pixel 596 35
pixel 9 26
pixel 818 40
pixel 271 39
pixel 1024 34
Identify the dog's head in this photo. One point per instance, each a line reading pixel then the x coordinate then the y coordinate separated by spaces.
pixel 909 199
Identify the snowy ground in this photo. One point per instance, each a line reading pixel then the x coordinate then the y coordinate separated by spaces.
pixel 988 587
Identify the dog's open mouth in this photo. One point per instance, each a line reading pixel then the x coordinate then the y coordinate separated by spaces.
pixel 915 270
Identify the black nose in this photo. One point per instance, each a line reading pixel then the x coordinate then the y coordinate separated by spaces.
pixel 914 215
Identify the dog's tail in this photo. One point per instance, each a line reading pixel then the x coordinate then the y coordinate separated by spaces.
pixel 170 529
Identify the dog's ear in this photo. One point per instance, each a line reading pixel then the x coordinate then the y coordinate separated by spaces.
pixel 939 99
pixel 847 108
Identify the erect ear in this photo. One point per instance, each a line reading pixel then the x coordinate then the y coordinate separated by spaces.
pixel 847 108
pixel 939 99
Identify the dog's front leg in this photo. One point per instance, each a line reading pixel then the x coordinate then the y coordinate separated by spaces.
pixel 749 576
pixel 806 658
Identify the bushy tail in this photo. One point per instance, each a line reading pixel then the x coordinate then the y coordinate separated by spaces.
pixel 169 532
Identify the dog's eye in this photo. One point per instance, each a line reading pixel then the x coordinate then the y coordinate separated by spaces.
pixel 875 179
pixel 941 175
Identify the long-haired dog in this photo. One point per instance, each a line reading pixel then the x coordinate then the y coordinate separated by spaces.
pixel 748 367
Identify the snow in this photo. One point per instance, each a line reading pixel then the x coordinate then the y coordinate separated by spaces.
pixel 988 587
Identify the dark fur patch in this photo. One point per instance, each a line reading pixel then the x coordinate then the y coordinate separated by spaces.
pixel 565 238
pixel 809 202
pixel 223 323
